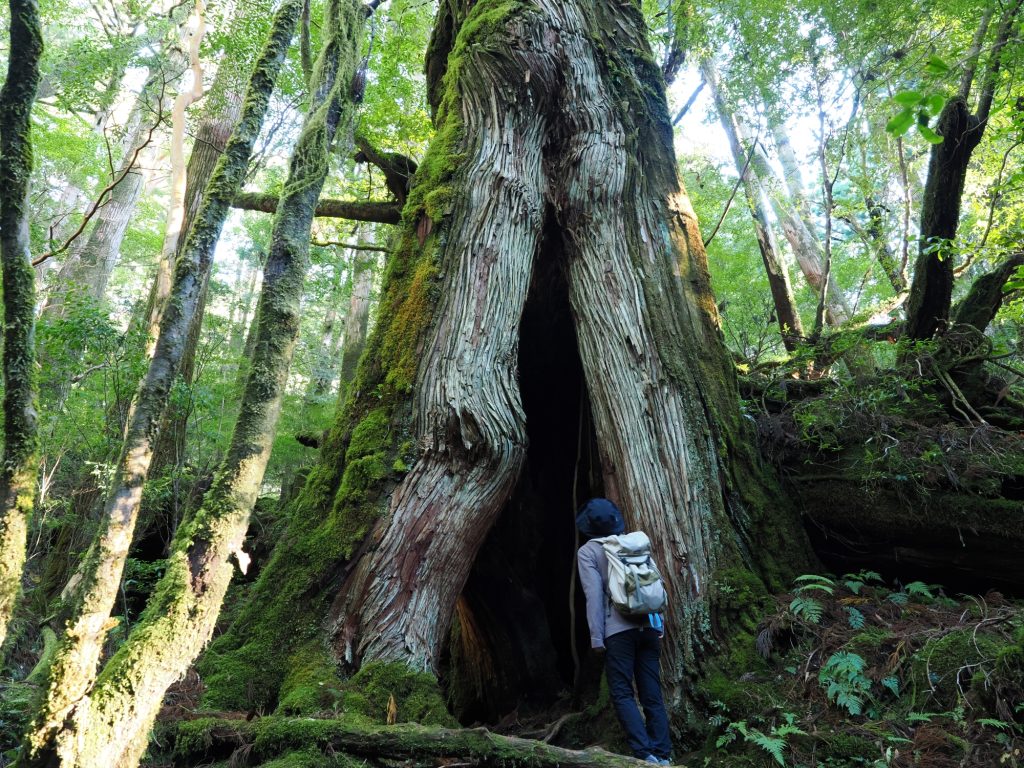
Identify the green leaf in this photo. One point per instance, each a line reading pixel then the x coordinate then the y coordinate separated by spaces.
pixel 901 123
pixel 892 684
pixel 908 98
pixel 929 135
pixel 855 618
pixel 935 103
pixel 936 66
pixel 814 577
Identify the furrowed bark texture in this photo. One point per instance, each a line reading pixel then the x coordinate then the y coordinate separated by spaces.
pixel 181 617
pixel 570 135
pixel 786 312
pixel 549 115
pixel 54 736
pixel 20 458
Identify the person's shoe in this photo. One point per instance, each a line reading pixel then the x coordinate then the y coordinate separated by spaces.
pixel 652 759
pixel 664 761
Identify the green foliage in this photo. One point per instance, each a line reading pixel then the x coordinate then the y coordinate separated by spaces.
pixel 842 676
pixel 774 742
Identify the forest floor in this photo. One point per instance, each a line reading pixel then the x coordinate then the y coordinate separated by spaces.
pixel 841 672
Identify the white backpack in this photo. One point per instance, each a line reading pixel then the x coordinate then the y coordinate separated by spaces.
pixel 635 586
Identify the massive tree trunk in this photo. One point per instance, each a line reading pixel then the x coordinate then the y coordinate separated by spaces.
pixel 931 289
pixel 19 461
pixel 786 312
pixel 72 672
pixel 552 174
pixel 114 727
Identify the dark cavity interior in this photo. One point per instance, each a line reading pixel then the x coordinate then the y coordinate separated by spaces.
pixel 512 636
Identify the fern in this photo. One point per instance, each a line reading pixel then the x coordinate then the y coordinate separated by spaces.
pixel 899 598
pixel 845 683
pixel 920 589
pixel 892 684
pixel 807 608
pixel 855 618
pixel 814 577
pixel 772 745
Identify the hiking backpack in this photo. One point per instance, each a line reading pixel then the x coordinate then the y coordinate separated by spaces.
pixel 635 586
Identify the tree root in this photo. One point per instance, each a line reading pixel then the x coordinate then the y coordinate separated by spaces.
pixel 248 744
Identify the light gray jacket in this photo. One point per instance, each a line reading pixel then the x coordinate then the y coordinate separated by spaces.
pixel 603 619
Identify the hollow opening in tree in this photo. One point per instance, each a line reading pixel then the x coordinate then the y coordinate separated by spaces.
pixel 511 641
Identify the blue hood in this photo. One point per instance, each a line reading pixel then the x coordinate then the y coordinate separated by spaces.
pixel 600 517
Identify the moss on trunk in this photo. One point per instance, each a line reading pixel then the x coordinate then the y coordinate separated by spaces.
pixel 20 459
pixel 695 482
pixel 59 726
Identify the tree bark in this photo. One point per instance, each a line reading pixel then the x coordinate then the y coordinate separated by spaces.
pixel 87 268
pixel 628 233
pixel 113 728
pixel 20 460
pixel 53 736
pixel 545 112
pixel 786 312
pixel 211 140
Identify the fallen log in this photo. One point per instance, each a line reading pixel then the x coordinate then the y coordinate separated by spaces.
pixel 252 743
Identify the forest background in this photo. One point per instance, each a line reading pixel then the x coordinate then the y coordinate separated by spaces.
pixel 855 171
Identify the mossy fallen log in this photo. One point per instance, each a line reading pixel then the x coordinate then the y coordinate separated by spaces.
pixel 337 741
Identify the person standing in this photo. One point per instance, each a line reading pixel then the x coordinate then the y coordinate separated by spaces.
pixel 632 647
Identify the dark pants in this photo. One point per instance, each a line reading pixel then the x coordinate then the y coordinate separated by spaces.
pixel 635 655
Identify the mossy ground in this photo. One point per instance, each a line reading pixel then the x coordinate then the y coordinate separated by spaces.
pixel 849 671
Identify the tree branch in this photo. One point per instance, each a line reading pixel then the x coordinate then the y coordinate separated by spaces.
pixel 354 210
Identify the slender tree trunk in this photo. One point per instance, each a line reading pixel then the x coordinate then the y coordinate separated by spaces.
pixel 53 736
pixel 798 227
pixel 20 462
pixel 324 363
pixel 114 729
pixel 931 289
pixel 211 140
pixel 787 314
pixel 87 268
pixel 356 321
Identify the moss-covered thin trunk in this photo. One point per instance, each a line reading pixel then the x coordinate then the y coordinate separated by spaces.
pixel 20 459
pixel 54 736
pixel 113 729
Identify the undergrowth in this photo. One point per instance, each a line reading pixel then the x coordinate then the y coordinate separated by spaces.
pixel 851 671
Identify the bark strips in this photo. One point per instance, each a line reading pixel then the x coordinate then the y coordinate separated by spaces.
pixel 20 457
pixel 55 734
pixel 557 137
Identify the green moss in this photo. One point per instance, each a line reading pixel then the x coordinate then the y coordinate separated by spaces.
pixel 941 671
pixel 416 695
pixel 312 683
